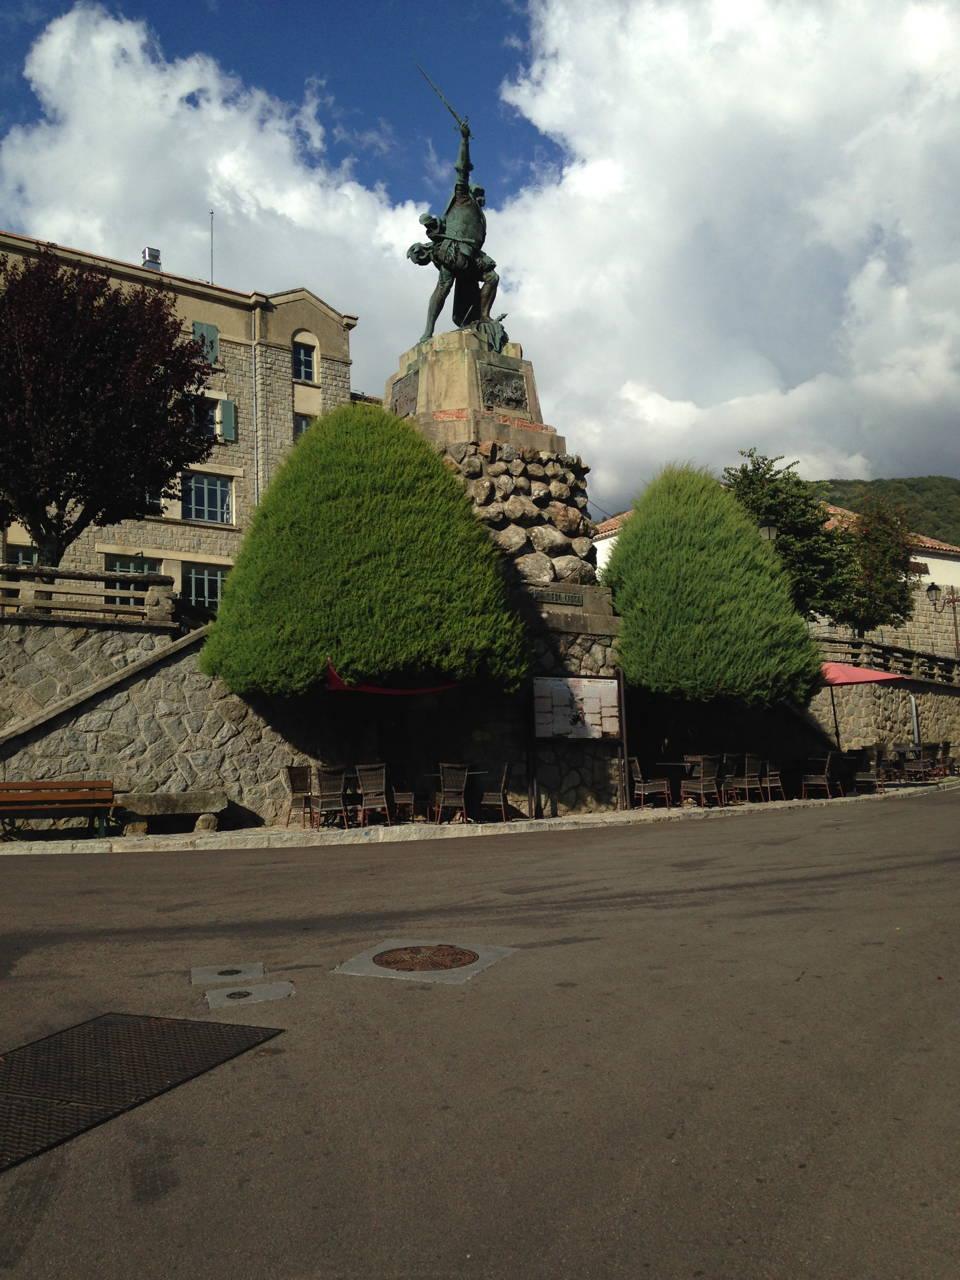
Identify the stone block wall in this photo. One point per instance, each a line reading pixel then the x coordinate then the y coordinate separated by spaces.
pixel 534 503
pixel 872 713
pixel 927 631
pixel 43 663
pixel 334 377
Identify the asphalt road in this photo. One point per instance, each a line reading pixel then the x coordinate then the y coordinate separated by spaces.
pixel 725 1049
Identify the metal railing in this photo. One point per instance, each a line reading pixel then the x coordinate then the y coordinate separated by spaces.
pixel 910 663
pixel 131 599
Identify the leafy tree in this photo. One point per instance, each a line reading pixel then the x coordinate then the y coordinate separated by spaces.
pixel 97 400
pixel 364 553
pixel 931 503
pixel 706 605
pixel 881 588
pixel 817 559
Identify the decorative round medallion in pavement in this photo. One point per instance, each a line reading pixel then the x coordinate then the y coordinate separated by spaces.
pixel 237 995
pixel 423 959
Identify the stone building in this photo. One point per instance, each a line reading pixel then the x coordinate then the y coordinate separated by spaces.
pixel 279 359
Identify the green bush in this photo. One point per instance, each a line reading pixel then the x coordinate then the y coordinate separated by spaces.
pixel 706 606
pixel 364 552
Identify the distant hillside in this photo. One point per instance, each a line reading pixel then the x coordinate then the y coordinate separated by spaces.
pixel 932 503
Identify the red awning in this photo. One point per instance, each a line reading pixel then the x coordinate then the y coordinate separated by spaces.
pixel 336 685
pixel 836 673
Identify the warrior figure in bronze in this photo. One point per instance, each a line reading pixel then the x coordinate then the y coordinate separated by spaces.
pixel 455 247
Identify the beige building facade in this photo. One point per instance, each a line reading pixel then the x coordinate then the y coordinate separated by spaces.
pixel 279 360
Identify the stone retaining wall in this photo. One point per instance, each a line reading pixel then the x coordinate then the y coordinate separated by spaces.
pixel 872 713
pixel 42 663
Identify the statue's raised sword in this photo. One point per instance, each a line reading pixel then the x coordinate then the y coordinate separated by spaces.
pixel 464 123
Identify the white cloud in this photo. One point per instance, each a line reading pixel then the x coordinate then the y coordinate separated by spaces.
pixel 751 240
pixel 134 150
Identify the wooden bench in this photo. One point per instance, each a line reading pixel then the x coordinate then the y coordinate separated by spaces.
pixel 71 799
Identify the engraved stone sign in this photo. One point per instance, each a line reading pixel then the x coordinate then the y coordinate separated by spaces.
pixel 502 388
pixel 405 395
pixel 573 707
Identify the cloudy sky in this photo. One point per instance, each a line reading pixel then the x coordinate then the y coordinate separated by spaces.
pixel 719 223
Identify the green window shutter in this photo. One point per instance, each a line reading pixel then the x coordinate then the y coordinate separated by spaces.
pixel 228 420
pixel 209 335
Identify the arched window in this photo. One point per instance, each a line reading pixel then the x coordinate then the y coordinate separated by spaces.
pixel 306 357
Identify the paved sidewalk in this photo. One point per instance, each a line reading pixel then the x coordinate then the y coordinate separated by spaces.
pixel 299 838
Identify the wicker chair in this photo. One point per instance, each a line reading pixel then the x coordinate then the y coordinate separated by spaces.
pixel 745 781
pixel 497 799
pixel 372 780
pixel 869 771
pixel 453 791
pixel 300 782
pixel 653 787
pixel 821 775
pixel 704 784
pixel 331 798
pixel 772 781
pixel 404 798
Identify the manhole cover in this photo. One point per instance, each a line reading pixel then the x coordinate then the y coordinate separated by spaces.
pixel 425 959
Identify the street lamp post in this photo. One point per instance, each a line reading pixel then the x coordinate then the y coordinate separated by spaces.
pixel 938 602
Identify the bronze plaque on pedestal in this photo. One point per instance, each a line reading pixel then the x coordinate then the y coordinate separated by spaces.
pixel 405 391
pixel 502 388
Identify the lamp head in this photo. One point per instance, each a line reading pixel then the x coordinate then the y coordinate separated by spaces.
pixel 934 593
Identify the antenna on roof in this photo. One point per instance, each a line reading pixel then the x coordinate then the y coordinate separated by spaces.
pixel 211 246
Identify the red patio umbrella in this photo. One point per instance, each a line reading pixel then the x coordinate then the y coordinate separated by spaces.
pixel 841 673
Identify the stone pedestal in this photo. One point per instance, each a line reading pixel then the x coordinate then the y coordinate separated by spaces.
pixel 457 390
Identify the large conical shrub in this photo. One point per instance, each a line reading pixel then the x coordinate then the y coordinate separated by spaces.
pixel 364 553
pixel 706 606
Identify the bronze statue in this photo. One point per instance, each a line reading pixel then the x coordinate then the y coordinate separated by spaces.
pixel 455 247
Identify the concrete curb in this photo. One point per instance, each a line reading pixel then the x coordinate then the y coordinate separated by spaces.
pixel 294 838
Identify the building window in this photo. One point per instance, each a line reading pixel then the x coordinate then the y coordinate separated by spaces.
pixel 203 585
pixel 218 418
pixel 300 423
pixel 207 416
pixel 303 362
pixel 19 556
pixel 128 564
pixel 207 498
pixel 23 555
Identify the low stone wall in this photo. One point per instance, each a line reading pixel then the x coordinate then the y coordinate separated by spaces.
pixel 873 713
pixel 42 663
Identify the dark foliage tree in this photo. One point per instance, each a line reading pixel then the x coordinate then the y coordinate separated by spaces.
pixel 856 573
pixel 364 554
pixel 816 559
pixel 881 588
pixel 97 400
pixel 931 503
pixel 706 605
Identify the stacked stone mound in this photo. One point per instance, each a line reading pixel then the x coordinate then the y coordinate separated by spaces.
pixel 534 504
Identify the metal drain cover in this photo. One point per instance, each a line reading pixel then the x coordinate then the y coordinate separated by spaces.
pixel 224 997
pixel 56 1088
pixel 209 975
pixel 419 960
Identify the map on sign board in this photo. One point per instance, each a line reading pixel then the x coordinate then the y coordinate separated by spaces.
pixel 575 707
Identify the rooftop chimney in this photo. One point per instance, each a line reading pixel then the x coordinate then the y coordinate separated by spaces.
pixel 151 260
